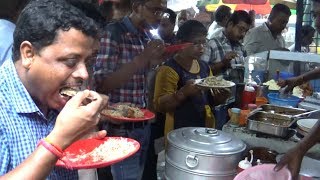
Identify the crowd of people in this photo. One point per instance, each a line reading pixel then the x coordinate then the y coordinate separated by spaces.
pixel 47 45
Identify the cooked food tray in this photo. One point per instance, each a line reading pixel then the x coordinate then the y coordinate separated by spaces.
pixel 270 123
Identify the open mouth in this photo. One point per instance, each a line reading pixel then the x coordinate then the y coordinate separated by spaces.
pixel 69 91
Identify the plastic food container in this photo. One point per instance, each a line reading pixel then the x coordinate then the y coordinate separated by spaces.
pixel 264 171
pixel 276 100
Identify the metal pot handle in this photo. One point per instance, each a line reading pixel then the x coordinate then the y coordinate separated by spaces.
pixel 192 161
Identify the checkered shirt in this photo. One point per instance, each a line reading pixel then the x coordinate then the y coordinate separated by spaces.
pixel 120 43
pixel 217 48
pixel 22 124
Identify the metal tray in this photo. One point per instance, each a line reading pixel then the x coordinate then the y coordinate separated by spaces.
pixel 281 110
pixel 270 123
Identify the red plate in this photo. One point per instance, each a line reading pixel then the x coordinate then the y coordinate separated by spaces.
pixel 177 47
pixel 84 146
pixel 148 115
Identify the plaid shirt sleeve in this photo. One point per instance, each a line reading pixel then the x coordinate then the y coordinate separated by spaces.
pixel 107 58
pixel 210 53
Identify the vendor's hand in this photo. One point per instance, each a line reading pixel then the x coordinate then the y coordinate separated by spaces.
pixel 292 159
pixel 228 57
pixel 291 83
pixel 190 89
pixel 75 120
pixel 153 54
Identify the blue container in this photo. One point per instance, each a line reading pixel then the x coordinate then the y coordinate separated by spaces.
pixel 284 75
pixel 276 100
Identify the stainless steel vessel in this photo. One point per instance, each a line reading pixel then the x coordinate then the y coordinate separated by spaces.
pixel 270 123
pixel 202 153
pixel 275 120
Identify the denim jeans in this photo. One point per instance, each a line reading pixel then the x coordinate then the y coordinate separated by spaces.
pixel 132 167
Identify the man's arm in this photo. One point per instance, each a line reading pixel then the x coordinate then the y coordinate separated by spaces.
pixel 296 81
pixel 74 121
pixel 293 157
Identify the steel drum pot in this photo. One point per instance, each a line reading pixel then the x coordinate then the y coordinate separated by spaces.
pixel 202 154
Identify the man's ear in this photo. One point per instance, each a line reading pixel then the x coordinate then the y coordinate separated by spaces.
pixel 27 53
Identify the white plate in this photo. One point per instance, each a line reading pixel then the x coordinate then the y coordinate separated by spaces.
pixel 228 84
pixel 306 124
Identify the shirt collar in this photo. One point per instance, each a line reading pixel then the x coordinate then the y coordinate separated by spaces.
pixel 20 97
pixel 133 30
pixel 224 40
pixel 266 28
pixel 129 25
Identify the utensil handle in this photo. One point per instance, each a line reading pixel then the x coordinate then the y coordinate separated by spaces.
pixel 192 161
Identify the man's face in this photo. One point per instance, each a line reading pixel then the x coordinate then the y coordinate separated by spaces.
pixel 315 10
pixel 153 11
pixel 166 28
pixel 279 23
pixel 307 39
pixel 61 64
pixel 236 32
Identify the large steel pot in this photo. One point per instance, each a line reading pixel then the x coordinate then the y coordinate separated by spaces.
pixel 202 153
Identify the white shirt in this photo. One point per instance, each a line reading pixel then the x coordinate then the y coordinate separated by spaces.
pixel 260 39
pixel 214 30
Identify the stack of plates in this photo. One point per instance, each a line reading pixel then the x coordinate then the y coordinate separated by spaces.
pixel 305 125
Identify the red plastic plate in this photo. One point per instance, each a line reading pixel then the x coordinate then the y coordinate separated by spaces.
pixel 148 115
pixel 177 47
pixel 84 146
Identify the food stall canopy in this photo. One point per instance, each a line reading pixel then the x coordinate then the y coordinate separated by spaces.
pixel 259 9
pixel 290 3
pixel 213 7
pixel 256 2
pixel 178 5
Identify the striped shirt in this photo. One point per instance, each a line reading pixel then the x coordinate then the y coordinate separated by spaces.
pixel 120 43
pixel 22 124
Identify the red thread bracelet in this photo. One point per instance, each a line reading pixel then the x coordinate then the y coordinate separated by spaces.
pixel 50 142
pixel 51 148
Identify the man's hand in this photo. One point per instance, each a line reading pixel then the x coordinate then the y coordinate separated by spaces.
pixel 75 120
pixel 293 160
pixel 291 83
pixel 228 57
pixel 153 54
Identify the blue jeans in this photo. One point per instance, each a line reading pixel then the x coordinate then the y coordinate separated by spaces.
pixel 132 167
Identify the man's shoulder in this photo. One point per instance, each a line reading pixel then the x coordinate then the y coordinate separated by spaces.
pixel 258 29
pixel 116 29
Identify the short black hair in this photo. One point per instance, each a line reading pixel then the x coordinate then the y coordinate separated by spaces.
pixel 172 15
pixel 190 29
pixel 238 16
pixel 307 29
pixel 222 12
pixel 90 10
pixel 9 9
pixel 279 8
pixel 41 20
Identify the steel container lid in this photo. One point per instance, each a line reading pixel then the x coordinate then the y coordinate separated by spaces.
pixel 205 141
